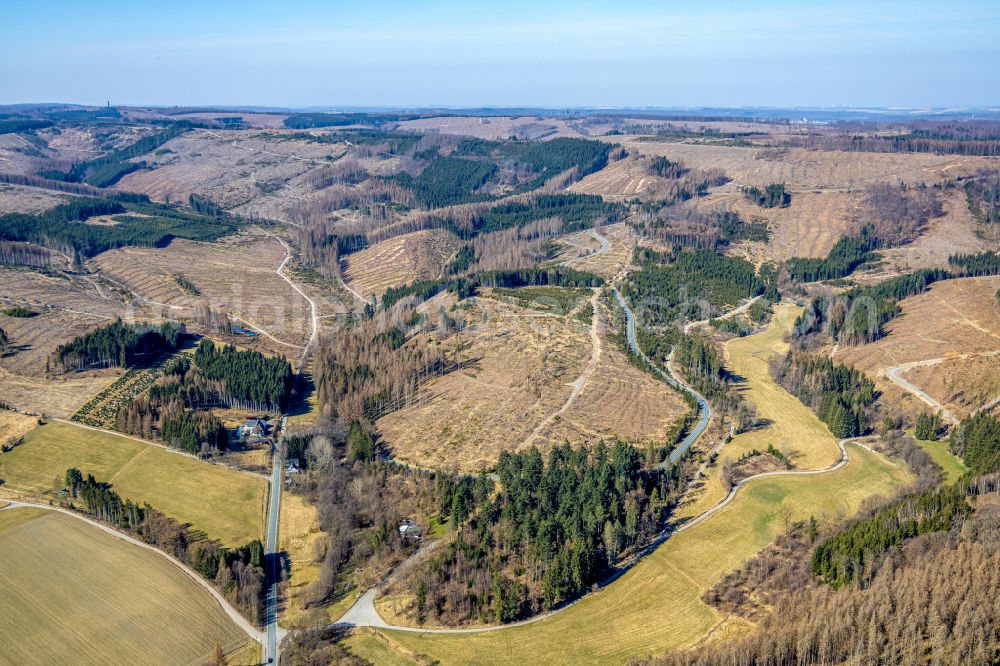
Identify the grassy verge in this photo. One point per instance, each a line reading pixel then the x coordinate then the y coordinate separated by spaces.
pixel 788 424
pixel 656 605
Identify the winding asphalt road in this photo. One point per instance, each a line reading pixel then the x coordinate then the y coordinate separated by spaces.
pixel 364 614
pixel 704 409
pixel 604 248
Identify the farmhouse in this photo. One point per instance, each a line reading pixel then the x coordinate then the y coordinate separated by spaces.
pixel 254 430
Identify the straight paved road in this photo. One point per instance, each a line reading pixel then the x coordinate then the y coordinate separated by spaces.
pixel 271 559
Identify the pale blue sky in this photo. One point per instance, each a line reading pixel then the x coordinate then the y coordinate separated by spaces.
pixel 572 54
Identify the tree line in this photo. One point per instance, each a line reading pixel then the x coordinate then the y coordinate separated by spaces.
pixel 910 580
pixel 363 372
pixel 694 283
pixel 360 502
pixel 237 572
pixel 576 211
pixel 859 315
pixel 769 196
pixel 559 276
pixel 976 440
pixel 249 379
pixel 108 169
pixel 927 600
pixel 980 138
pixel 172 410
pixel 843 258
pixel 541 160
pixel 841 397
pixel 849 555
pixel 983 196
pixel 150 225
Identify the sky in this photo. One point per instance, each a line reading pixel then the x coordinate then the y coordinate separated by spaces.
pixel 420 53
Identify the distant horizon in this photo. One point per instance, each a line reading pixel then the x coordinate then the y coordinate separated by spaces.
pixel 748 112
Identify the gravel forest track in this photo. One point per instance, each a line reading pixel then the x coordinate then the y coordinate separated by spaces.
pixel 893 375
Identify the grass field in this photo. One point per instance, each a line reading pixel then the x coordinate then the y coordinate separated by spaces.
pixel 951 465
pixel 72 594
pixel 377 649
pixel 14 426
pixel 298 536
pixel 55 397
pixel 225 504
pixel 791 426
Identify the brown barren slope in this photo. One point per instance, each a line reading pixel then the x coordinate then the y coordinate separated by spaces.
pixel 802 169
pixel 416 256
pixel 236 274
pixel 956 320
pixel 523 366
pixel 618 401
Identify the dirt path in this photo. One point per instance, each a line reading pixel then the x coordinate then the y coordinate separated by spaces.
pixel 231 612
pixel 314 309
pixel 732 313
pixel 259 329
pixel 236 144
pixel 579 382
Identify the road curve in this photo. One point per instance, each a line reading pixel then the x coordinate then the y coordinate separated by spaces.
pixel 364 614
pixel 732 313
pixel 600 239
pixel 704 409
pixel 893 375
pixel 314 309
pixel 233 614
